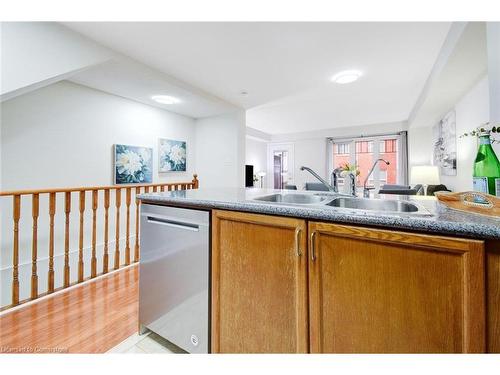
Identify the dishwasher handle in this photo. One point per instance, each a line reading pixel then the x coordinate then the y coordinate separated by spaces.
pixel 173 223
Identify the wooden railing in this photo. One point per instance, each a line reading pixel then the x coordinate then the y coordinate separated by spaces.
pixel 100 195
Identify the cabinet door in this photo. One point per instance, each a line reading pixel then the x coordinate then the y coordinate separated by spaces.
pixel 380 291
pixel 259 284
pixel 493 296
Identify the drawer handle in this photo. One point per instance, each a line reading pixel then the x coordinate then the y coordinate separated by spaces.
pixel 297 242
pixel 173 223
pixel 313 251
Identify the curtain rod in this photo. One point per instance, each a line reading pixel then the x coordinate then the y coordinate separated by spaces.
pixel 332 139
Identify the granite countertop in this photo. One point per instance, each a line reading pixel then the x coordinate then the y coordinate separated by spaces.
pixel 437 218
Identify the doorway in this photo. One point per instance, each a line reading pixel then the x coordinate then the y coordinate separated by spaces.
pixel 280 170
pixel 280 165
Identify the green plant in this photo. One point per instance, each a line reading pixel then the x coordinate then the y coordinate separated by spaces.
pixel 346 167
pixel 486 128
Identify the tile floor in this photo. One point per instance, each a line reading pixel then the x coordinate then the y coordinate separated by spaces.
pixel 148 343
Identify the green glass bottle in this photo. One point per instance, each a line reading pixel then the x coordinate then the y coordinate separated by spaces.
pixel 486 167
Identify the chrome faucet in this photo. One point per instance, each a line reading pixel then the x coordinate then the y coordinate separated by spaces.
pixel 352 181
pixel 334 187
pixel 366 191
pixel 334 179
pixel 352 184
pixel 327 185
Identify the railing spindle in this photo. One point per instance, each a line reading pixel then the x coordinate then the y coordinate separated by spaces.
pixel 93 263
pixel 67 211
pixel 80 237
pixel 93 260
pixel 137 218
pixel 34 245
pixel 117 234
pixel 16 214
pixel 52 212
pixel 105 258
pixel 127 239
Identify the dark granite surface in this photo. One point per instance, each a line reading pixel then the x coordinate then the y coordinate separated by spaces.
pixel 435 218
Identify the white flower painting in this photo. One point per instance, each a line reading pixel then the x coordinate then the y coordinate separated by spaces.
pixel 133 165
pixel 445 145
pixel 172 156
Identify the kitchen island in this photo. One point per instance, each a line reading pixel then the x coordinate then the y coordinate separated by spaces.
pixel 295 277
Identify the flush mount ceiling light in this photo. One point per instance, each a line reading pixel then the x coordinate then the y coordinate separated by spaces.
pixel 347 76
pixel 165 99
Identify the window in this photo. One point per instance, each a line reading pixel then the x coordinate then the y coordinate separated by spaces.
pixel 341 149
pixel 363 152
pixel 388 145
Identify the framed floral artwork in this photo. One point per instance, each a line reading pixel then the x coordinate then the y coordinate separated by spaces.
pixel 172 155
pixel 133 164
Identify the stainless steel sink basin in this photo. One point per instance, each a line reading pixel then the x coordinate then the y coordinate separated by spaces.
pixel 374 205
pixel 293 198
pixel 334 201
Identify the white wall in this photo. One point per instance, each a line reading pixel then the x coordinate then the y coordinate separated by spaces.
pixel 220 150
pixel 493 40
pixel 471 111
pixel 256 155
pixel 35 54
pixel 420 146
pixel 62 136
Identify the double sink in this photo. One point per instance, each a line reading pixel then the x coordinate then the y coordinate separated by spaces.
pixel 345 202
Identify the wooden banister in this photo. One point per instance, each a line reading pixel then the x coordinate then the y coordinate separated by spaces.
pixel 130 198
pixel 80 237
pixel 118 202
pixel 35 208
pixel 88 188
pixel 137 219
pixel 105 259
pixel 93 260
pixel 67 211
pixel 16 209
pixel 52 212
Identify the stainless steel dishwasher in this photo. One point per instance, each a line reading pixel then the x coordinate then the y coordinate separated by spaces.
pixel 174 275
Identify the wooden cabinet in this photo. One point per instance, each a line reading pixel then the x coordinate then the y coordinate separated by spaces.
pixel 493 296
pixel 259 284
pixel 281 285
pixel 380 291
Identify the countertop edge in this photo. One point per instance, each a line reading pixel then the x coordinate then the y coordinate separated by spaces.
pixel 418 224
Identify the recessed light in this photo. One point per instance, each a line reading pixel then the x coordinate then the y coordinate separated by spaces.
pixel 165 99
pixel 346 76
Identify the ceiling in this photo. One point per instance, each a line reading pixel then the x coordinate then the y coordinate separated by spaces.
pixel 132 80
pixel 285 67
pixel 466 65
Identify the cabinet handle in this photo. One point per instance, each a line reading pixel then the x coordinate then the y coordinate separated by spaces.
pixel 313 252
pixel 297 242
